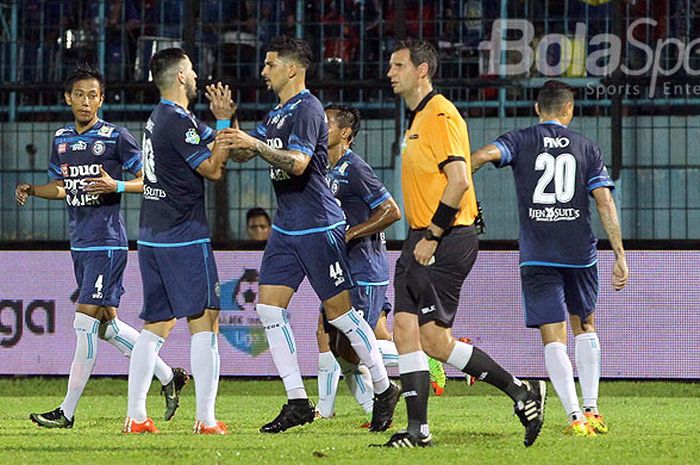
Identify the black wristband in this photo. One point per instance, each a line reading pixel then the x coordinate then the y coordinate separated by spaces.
pixel 444 216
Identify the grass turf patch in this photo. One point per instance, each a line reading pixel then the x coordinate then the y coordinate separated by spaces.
pixel 651 422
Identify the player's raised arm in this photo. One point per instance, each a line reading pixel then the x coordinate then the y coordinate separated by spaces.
pixel 608 217
pixel 487 154
pixel 51 191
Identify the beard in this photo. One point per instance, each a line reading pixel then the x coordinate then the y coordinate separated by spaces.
pixel 191 91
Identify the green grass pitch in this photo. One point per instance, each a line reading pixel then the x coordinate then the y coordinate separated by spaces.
pixel 651 422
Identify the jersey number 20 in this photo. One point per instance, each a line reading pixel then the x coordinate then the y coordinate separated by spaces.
pixel 563 170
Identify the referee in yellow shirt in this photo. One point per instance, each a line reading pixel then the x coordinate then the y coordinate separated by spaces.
pixel 440 250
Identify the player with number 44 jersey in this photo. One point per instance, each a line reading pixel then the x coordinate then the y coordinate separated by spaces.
pixel 556 171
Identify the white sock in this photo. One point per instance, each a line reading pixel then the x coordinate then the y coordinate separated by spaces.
pixel 561 373
pixel 588 366
pixel 204 358
pixel 390 355
pixel 141 366
pixel 123 337
pixel 359 381
pixel 365 344
pixel 283 348
pixel 86 329
pixel 328 375
pixel 460 355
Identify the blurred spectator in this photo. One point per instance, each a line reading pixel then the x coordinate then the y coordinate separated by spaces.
pixel 258 224
pixel 122 28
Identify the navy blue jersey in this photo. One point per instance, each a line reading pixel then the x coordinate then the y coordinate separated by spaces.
pixel 174 145
pixel 95 220
pixel 555 170
pixel 359 191
pixel 305 204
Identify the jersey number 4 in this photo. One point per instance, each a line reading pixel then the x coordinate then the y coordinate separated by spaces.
pixel 562 170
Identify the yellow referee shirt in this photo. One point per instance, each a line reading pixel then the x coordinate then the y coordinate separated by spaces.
pixel 437 134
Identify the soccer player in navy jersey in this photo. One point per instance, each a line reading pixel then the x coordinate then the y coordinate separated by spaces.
pixel 175 255
pixel 369 209
pixel 87 161
pixel 308 234
pixel 555 170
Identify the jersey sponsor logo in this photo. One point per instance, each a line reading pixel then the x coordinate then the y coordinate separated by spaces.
pixel 61 131
pixel 98 148
pixel 79 146
pixel 192 137
pixel 275 143
pixel 554 214
pixel 556 142
pixel 106 131
pixel 413 136
pixel 80 170
pixel 82 199
pixel 278 174
pixel 62 148
pixel 153 193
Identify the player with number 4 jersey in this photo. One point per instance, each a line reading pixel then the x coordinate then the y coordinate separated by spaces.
pixel 86 168
pixel 556 171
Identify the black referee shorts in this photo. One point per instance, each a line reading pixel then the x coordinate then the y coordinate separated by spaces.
pixel 432 292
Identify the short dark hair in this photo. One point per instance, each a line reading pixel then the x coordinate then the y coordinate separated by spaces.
pixel 421 52
pixel 296 49
pixel 256 211
pixel 162 61
pixel 554 95
pixel 346 117
pixel 83 73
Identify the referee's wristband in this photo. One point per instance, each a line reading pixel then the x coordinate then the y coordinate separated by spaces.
pixel 121 187
pixel 444 216
pixel 223 124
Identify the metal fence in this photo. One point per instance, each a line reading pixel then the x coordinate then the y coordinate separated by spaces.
pixel 646 124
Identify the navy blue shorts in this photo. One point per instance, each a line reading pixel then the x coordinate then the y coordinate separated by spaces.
pixel 319 256
pixel 550 292
pixel 178 282
pixel 99 276
pixel 369 301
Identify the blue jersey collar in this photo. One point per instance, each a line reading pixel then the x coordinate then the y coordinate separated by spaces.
pixel 556 123
pixel 293 99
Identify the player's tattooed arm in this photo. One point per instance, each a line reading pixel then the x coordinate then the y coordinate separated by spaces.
pixel 486 154
pixel 52 191
pixel 290 161
pixel 608 218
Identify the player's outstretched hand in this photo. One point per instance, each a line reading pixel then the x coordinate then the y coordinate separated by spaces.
pixel 22 193
pixel 220 102
pixel 102 185
pixel 620 273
